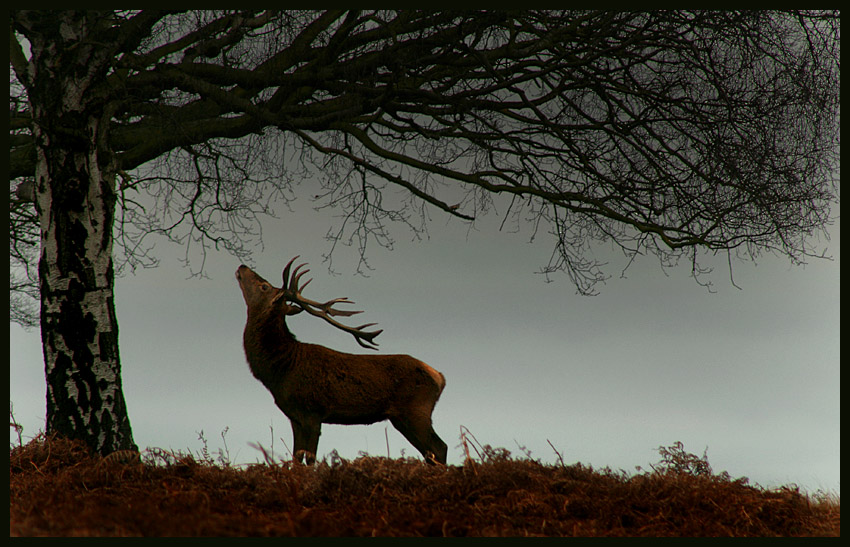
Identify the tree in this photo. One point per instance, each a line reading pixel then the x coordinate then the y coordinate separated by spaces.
pixel 668 133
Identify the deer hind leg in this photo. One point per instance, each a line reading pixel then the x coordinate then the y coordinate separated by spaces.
pixel 306 439
pixel 420 433
pixel 441 451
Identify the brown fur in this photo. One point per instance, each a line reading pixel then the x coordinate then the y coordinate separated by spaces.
pixel 313 384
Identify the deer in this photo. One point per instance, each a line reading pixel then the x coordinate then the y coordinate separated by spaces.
pixel 313 384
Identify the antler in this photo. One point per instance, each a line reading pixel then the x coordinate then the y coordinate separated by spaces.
pixel 325 310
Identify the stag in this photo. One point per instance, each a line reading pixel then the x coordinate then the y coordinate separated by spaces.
pixel 313 384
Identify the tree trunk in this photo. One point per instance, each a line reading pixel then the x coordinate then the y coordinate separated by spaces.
pixel 75 199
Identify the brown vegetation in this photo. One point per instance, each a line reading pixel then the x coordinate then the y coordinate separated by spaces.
pixel 59 488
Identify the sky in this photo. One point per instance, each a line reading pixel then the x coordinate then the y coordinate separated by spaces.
pixel 748 376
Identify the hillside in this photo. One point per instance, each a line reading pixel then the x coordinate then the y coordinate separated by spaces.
pixel 57 488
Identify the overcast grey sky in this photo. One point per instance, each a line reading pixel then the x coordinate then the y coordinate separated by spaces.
pixel 752 375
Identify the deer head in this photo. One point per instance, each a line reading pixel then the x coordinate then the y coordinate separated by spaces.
pixel 261 297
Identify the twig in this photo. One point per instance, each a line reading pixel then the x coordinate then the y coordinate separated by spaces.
pixel 387 437
pixel 558 453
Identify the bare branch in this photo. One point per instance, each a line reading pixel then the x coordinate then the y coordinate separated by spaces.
pixel 662 131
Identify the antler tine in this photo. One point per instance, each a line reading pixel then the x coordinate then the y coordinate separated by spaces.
pixel 286 271
pixel 291 284
pixel 369 336
pixel 366 339
pixel 325 310
pixel 301 288
pixel 328 307
pixel 296 278
pixel 357 332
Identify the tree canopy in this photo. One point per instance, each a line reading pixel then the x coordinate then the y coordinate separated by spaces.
pixel 665 132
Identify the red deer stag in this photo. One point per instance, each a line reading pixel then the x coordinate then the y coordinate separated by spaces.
pixel 313 385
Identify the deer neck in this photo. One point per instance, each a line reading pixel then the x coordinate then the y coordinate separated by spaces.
pixel 270 347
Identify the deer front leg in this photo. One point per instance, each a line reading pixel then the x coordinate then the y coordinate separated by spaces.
pixel 306 439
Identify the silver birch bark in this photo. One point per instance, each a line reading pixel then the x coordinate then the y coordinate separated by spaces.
pixel 75 200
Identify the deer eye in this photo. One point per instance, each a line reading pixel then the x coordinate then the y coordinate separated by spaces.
pixel 264 287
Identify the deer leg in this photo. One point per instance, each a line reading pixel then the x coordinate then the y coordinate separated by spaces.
pixel 441 451
pixel 421 435
pixel 306 440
